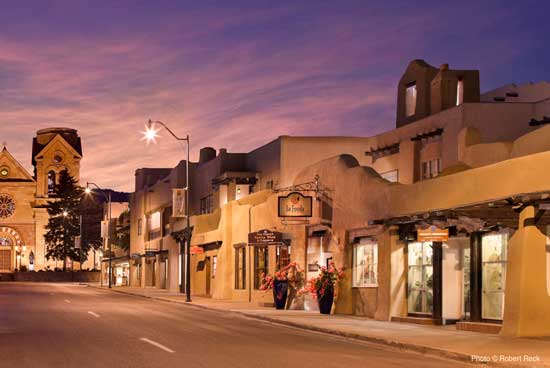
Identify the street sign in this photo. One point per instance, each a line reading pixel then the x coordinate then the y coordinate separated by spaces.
pixel 295 204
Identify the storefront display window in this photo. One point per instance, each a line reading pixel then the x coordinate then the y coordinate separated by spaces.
pixel 240 268
pixel 365 263
pixel 260 265
pixel 420 278
pixel 282 256
pixel 494 247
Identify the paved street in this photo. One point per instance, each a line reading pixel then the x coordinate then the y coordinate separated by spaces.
pixel 53 325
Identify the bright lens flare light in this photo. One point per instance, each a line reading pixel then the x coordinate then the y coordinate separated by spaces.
pixel 87 191
pixel 150 133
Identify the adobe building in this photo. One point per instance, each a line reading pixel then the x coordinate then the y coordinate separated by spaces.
pixel 436 221
pixel 23 197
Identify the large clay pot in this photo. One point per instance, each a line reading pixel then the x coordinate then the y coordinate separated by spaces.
pixel 325 301
pixel 280 293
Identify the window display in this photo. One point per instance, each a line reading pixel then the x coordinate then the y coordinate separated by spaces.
pixel 420 278
pixel 365 263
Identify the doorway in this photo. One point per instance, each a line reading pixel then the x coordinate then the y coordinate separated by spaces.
pixel 424 279
pixel 208 274
pixel 5 260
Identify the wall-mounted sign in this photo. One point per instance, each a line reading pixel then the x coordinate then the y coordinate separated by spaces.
pixel 295 205
pixel 432 233
pixel 178 203
pixel 265 238
pixel 195 249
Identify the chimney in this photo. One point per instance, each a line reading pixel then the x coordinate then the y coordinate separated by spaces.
pixel 444 67
pixel 206 154
pixel 222 151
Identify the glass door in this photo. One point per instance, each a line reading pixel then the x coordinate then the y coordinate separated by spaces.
pixel 466 272
pixel 493 265
pixel 420 278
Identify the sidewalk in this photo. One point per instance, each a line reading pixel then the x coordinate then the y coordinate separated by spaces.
pixel 443 341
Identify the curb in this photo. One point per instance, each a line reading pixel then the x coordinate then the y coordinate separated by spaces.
pixel 441 353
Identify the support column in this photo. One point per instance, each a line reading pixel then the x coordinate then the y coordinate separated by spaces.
pixel 527 303
pixel 437 263
pixel 475 276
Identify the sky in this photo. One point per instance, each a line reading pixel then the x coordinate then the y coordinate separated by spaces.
pixel 238 74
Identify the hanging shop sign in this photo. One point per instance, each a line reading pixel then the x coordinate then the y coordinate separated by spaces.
pixel 265 238
pixel 432 233
pixel 295 205
pixel 195 249
pixel 178 203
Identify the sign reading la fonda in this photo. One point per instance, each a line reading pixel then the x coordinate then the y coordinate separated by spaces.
pixel 295 204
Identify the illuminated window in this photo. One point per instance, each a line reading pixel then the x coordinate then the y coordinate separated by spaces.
pixel 214 265
pixel 260 265
pixel 4 172
pixel 392 176
pixel 431 168
pixel 282 256
pixel 51 182
pixel 459 92
pixel 154 225
pixel 365 263
pixel 410 100
pixel 240 268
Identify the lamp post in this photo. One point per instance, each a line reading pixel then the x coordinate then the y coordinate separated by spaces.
pixel 107 196
pixel 150 134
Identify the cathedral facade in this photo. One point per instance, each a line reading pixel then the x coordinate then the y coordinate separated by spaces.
pixel 24 196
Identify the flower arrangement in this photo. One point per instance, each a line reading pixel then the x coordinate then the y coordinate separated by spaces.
pixel 291 273
pixel 325 282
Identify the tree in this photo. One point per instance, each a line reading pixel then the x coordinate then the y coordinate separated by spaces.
pixel 64 220
pixel 122 232
pixel 92 215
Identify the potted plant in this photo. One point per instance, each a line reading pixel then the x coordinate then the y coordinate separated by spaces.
pixel 287 276
pixel 322 287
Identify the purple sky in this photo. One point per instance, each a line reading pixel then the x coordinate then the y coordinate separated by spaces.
pixel 239 75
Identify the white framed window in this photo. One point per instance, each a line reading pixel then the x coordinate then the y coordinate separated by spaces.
pixel 154 225
pixel 392 175
pixel 365 263
pixel 410 100
pixel 431 168
pixel 214 265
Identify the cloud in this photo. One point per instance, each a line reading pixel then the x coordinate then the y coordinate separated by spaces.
pixel 229 77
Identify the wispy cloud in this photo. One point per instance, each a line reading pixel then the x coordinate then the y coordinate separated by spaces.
pixel 229 77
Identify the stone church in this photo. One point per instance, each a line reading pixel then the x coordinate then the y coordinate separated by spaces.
pixel 23 197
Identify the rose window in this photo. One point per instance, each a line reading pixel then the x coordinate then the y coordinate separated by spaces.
pixel 7 206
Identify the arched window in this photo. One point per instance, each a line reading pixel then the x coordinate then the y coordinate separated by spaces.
pixel 51 182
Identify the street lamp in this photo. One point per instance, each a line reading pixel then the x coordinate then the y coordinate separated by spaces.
pixel 107 196
pixel 150 135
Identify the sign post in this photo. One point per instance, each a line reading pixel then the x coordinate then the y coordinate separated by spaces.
pixel 433 233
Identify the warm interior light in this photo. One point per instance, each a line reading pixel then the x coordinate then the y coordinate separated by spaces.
pixel 150 133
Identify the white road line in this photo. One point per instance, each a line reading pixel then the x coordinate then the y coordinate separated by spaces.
pixel 160 346
pixel 93 314
pixel 67 301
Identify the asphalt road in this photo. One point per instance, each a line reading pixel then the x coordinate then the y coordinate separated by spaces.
pixel 65 325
